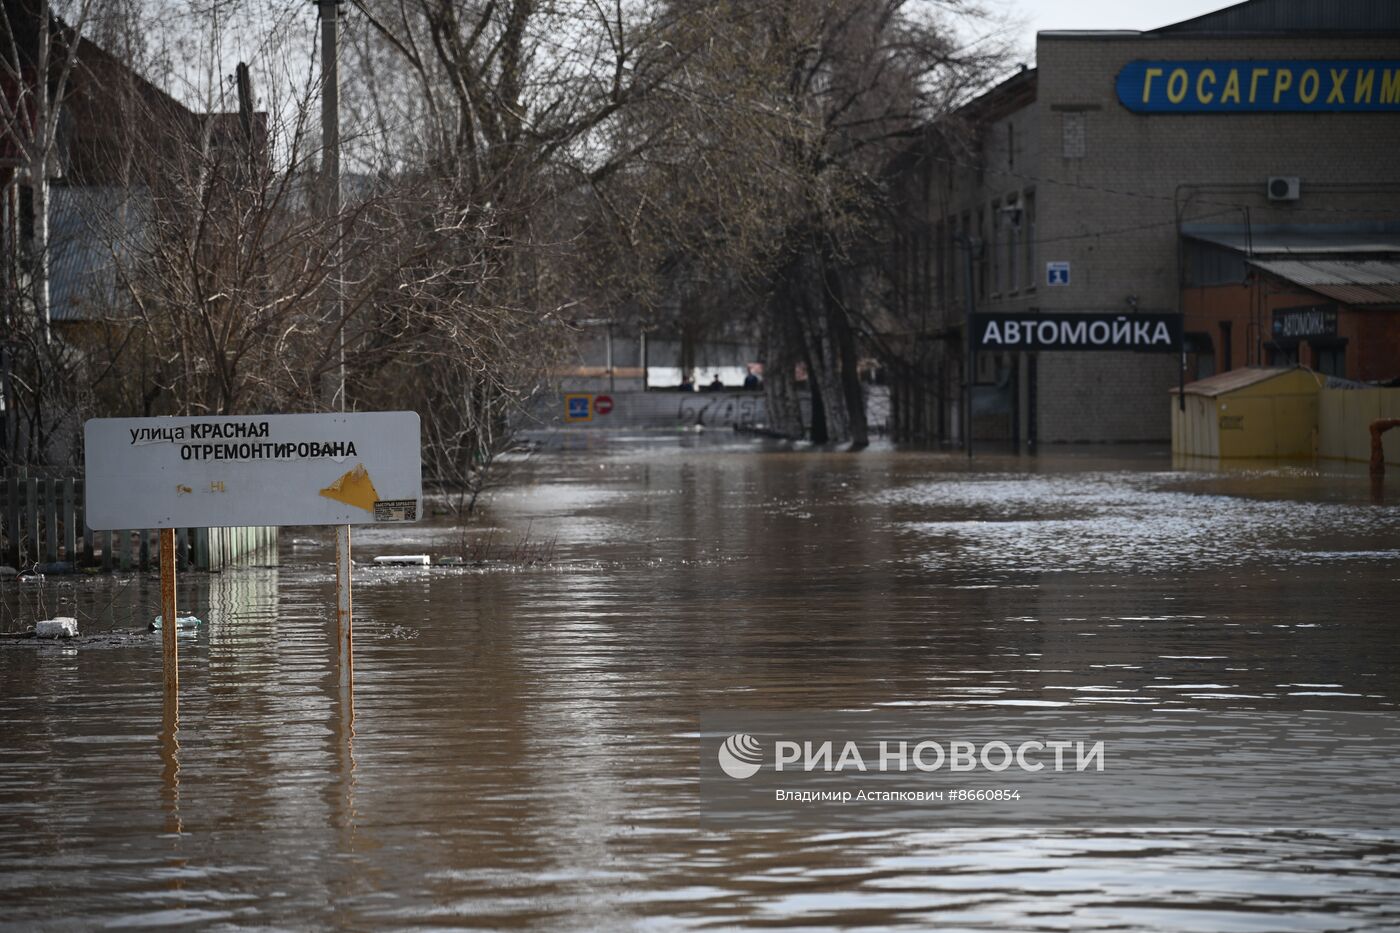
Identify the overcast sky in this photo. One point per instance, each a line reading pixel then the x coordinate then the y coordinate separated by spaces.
pixel 1037 15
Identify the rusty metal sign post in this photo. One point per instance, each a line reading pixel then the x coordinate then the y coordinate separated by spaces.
pixel 338 469
pixel 169 621
pixel 344 621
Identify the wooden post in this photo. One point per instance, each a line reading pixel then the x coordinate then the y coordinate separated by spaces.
pixel 168 620
pixel 50 519
pixel 89 538
pixel 31 507
pixel 12 514
pixel 170 762
pixel 70 525
pixel 344 619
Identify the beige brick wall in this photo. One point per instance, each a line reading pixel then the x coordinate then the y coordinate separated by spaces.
pixel 1113 213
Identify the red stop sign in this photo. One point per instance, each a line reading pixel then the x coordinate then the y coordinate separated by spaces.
pixel 602 404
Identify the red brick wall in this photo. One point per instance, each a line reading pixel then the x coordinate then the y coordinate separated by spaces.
pixel 1373 336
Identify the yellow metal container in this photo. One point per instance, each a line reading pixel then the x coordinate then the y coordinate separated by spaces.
pixel 1248 413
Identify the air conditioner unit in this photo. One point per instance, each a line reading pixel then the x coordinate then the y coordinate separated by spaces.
pixel 1285 188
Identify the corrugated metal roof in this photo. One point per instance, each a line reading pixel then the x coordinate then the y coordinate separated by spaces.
pixel 91 230
pixel 1234 380
pixel 1310 239
pixel 1270 16
pixel 1349 281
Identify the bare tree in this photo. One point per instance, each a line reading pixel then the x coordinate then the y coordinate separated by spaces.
pixel 38 45
pixel 793 111
pixel 515 165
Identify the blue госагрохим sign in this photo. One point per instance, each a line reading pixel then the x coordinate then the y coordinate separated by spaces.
pixel 1243 86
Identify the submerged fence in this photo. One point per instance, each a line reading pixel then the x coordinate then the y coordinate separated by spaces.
pixel 41 524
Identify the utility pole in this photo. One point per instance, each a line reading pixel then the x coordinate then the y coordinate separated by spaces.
pixel 40 158
pixel 970 362
pixel 330 181
pixel 335 316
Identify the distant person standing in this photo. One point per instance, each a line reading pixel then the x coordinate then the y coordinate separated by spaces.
pixel 715 385
pixel 686 385
pixel 752 382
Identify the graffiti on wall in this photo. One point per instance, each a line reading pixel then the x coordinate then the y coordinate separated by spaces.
pixel 723 410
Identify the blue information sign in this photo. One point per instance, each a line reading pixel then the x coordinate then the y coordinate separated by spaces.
pixel 578 407
pixel 1245 86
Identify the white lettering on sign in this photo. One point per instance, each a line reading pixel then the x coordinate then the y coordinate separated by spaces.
pixel 330 469
pixel 1074 332
pixel 1314 322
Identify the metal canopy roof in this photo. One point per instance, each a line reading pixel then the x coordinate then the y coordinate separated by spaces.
pixel 1284 16
pixel 1268 18
pixel 1301 240
pixel 92 230
pixel 1350 281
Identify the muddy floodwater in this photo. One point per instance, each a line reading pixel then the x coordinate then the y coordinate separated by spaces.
pixel 524 748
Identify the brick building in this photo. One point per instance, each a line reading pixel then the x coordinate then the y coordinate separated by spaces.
pixel 1138 171
pixel 125 158
pixel 1326 296
pixel 122 146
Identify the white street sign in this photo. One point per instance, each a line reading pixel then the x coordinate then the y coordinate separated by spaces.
pixel 326 469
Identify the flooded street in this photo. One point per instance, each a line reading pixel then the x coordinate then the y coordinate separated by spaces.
pixel 523 752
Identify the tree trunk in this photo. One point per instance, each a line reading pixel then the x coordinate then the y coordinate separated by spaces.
pixel 40 244
pixel 782 353
pixel 823 367
pixel 853 394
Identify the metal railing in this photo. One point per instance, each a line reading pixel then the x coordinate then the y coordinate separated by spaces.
pixel 42 527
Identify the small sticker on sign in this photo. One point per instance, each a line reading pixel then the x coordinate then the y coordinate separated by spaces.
pixel 396 510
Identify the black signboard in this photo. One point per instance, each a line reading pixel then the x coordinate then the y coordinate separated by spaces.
pixel 1292 324
pixel 1141 332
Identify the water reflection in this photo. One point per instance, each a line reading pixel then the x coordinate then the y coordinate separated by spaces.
pixel 170 763
pixel 519 749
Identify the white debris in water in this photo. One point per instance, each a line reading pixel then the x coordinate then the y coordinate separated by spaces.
pixel 61 627
pixel 404 560
pixel 180 622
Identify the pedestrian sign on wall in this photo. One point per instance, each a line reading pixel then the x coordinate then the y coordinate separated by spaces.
pixel 327 469
pixel 1057 273
pixel 578 407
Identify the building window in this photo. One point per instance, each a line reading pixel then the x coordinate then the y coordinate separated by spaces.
pixel 1013 244
pixel 959 253
pixel 998 260
pixel 940 263
pixel 1280 355
pixel 1199 346
pixel 26 213
pixel 982 226
pixel 1028 234
pixel 1331 357
pixel 1073 133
